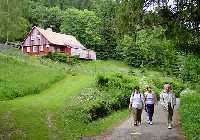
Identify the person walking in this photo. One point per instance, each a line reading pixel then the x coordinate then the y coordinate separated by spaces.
pixel 136 105
pixel 150 100
pixel 168 101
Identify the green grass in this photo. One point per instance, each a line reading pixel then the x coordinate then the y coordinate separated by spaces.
pixel 101 125
pixel 190 115
pixel 51 114
pixel 18 78
pixel 42 116
pixel 30 113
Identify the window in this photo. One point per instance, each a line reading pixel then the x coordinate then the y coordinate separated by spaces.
pixel 41 48
pixel 38 36
pixel 58 50
pixel 53 49
pixel 28 49
pixel 35 49
pixel 62 49
pixel 32 38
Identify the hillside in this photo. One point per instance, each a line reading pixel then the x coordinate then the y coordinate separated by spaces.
pixel 71 101
pixel 19 78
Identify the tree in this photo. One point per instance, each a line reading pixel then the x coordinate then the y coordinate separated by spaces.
pixel 12 24
pixel 129 16
pixel 46 17
pixel 82 24
pixel 106 11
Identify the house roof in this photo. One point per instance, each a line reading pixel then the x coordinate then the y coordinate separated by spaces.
pixel 60 39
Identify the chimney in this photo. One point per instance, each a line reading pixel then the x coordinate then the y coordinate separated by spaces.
pixel 49 29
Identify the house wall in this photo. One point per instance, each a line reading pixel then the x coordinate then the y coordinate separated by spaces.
pixel 39 51
pixel 36 40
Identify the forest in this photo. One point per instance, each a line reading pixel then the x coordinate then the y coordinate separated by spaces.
pixel 161 35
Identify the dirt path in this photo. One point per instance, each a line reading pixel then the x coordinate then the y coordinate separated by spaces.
pixel 158 131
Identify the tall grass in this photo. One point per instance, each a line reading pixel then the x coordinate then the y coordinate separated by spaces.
pixel 190 115
pixel 18 78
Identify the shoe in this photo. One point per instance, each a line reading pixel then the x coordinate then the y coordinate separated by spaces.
pixel 169 126
pixel 150 123
pixel 135 124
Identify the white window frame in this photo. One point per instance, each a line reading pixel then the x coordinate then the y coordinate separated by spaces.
pixel 47 46
pixel 35 49
pixel 38 36
pixel 28 49
pixel 41 48
pixel 32 38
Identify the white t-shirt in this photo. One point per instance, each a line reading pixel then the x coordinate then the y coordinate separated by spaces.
pixel 150 99
pixel 137 100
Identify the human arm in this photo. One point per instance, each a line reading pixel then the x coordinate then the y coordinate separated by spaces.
pixel 143 101
pixel 162 101
pixel 173 100
pixel 130 102
pixel 155 99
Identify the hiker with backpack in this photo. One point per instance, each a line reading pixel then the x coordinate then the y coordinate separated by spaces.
pixel 136 105
pixel 150 100
pixel 168 101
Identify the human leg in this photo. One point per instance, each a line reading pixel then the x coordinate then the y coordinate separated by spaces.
pixel 135 116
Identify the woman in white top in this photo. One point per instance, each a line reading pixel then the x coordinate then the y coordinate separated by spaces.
pixel 168 101
pixel 150 101
pixel 136 104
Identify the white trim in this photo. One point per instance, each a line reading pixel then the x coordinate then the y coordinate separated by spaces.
pixel 32 38
pixel 28 49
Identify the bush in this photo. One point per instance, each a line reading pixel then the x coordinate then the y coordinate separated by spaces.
pixel 190 69
pixel 190 115
pixel 176 86
pixel 117 80
pixel 97 109
pixel 63 58
pixel 111 94
pixel 60 57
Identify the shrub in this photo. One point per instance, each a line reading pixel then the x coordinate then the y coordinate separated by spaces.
pixel 111 94
pixel 97 110
pixel 117 80
pixel 176 86
pixel 63 58
pixel 190 115
pixel 102 80
pixel 60 57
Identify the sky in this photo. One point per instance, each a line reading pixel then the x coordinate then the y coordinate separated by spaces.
pixel 170 3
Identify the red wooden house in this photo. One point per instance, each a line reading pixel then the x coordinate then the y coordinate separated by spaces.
pixel 40 42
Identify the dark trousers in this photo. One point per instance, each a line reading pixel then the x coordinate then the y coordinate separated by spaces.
pixel 170 113
pixel 150 111
pixel 137 115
